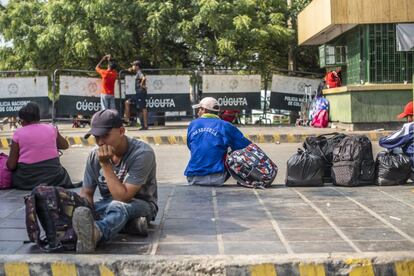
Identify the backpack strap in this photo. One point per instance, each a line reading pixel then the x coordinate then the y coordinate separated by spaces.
pixel 32 226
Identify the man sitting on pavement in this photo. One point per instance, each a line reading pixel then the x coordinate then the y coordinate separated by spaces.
pixel 124 170
pixel 403 139
pixel 208 139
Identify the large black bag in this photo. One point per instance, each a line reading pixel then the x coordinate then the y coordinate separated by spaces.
pixel 353 162
pixel 304 169
pixel 392 168
pixel 323 146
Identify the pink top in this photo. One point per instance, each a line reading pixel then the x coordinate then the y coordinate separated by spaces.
pixel 37 142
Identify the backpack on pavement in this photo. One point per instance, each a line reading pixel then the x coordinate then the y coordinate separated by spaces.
pixel 251 167
pixel 5 173
pixel 323 146
pixel 392 168
pixel 321 119
pixel 304 169
pixel 353 162
pixel 53 207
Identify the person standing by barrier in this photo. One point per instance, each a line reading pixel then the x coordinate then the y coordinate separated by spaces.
pixel 140 96
pixel 109 77
pixel 208 139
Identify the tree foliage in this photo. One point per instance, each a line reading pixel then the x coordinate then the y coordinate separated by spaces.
pixel 162 33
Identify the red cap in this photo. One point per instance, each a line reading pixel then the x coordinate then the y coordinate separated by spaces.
pixel 408 110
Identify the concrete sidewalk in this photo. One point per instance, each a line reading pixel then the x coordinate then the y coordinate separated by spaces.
pixel 238 231
pixel 175 133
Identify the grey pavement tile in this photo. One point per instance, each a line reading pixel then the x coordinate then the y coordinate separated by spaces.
pixel 320 247
pixel 367 246
pixel 123 248
pixel 337 205
pixel 13 223
pixel 187 249
pixel 7 208
pixel 243 224
pixel 372 234
pixel 18 214
pixel 293 212
pixel 189 223
pixel 189 235
pixel 13 235
pixel 252 248
pixel 247 214
pixel 29 248
pixel 252 234
pixel 351 213
pixel 304 223
pixel 323 235
pixel 205 214
pixel 9 247
pixel 344 221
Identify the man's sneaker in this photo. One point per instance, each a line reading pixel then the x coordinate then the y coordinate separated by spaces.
pixel 137 226
pixel 86 231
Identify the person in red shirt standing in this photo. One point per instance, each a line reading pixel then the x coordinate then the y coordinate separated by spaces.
pixel 109 77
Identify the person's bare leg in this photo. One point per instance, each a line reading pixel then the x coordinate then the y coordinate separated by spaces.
pixel 145 117
pixel 127 113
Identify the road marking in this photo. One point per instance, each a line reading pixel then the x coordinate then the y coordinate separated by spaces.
pixel 312 269
pixel 274 224
pixel 216 218
pixel 63 269
pixel 263 270
pixel 397 199
pixel 105 271
pixel 329 221
pixel 372 213
pixel 172 140
pixel 404 268
pixel 360 267
pixel 157 235
pixel 16 269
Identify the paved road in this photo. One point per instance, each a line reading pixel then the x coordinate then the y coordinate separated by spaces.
pixel 233 220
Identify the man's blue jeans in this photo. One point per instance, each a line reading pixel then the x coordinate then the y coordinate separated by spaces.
pixel 107 102
pixel 115 214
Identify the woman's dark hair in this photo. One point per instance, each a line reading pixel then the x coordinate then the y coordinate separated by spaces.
pixel 30 113
pixel 112 64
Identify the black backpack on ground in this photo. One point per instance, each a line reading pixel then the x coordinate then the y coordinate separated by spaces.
pixel 53 207
pixel 323 146
pixel 353 162
pixel 304 169
pixel 392 168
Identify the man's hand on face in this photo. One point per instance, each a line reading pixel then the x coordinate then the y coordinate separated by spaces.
pixel 105 153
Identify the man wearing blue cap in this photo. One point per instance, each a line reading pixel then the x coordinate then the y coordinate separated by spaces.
pixel 124 170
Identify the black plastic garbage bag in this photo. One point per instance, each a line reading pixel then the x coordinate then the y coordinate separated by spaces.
pixel 392 168
pixel 304 169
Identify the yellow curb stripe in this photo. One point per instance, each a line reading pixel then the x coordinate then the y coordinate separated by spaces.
pixel 78 140
pixel 172 140
pixel 91 141
pixel 16 269
pixel 276 138
pixel 360 267
pixel 157 140
pixel 105 271
pixel 4 143
pixel 404 268
pixel 263 270
pixel 63 269
pixel 291 138
pixel 260 138
pixel 311 270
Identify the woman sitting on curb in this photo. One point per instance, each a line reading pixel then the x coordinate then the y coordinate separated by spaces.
pixel 34 156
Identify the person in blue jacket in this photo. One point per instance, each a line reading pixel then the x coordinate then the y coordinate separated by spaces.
pixel 208 139
pixel 403 139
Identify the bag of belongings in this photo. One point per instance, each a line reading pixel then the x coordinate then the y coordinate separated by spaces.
pixel 392 168
pixel 304 169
